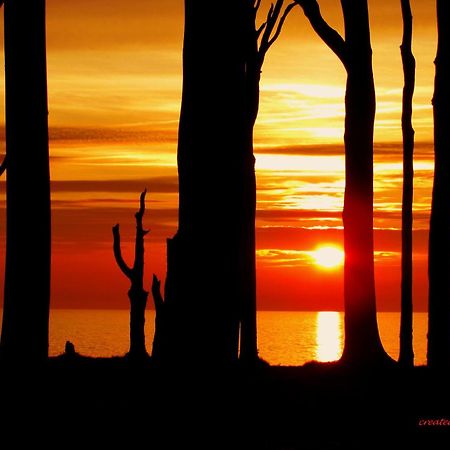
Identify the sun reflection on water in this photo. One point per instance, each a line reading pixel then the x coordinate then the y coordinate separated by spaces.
pixel 329 342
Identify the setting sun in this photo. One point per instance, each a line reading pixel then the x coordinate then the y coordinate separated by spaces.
pixel 328 256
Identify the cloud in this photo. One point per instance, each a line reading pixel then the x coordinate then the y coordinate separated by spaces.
pixel 382 150
pixel 118 135
pixel 161 184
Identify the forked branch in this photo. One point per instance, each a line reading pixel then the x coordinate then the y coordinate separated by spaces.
pixel 270 30
pixel 328 34
pixel 136 272
pixel 118 253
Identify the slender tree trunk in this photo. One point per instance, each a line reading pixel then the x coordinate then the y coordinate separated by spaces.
pixel 248 342
pixel 362 341
pixel 406 357
pixel 439 243
pixel 26 311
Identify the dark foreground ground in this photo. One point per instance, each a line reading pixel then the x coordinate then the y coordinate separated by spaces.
pixel 104 402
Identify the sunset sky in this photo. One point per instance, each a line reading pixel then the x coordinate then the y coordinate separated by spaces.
pixel 114 79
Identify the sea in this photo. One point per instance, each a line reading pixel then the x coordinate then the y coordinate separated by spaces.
pixel 284 337
pixel 288 338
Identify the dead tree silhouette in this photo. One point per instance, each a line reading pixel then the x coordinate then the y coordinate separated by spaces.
pixel 362 341
pixel 28 246
pixel 137 294
pixel 438 353
pixel 406 357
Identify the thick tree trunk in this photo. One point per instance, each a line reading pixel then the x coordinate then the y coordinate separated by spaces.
pixel 406 357
pixel 203 280
pixel 362 341
pixel 439 243
pixel 26 312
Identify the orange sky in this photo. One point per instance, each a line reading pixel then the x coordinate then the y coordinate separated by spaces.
pixel 114 74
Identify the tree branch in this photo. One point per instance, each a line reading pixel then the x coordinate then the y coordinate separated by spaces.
pixel 141 211
pixel 272 17
pixel 118 253
pixel 156 292
pixel 281 23
pixel 267 28
pixel 138 267
pixel 260 30
pixel 3 165
pixel 328 34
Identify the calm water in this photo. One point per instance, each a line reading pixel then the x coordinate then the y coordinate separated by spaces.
pixel 286 338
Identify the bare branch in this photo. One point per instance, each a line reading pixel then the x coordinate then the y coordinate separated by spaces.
pixel 156 292
pixel 272 17
pixel 328 34
pixel 141 211
pixel 118 253
pixel 273 20
pixel 260 30
pixel 281 23
pixel 3 165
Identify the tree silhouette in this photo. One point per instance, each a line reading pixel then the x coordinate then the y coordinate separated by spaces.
pixel 28 242
pixel 362 341
pixel 161 335
pixel 409 68
pixel 203 282
pixel 137 294
pixel 259 40
pixel 438 353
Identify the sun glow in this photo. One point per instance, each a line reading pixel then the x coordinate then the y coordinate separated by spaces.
pixel 328 256
pixel 329 336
